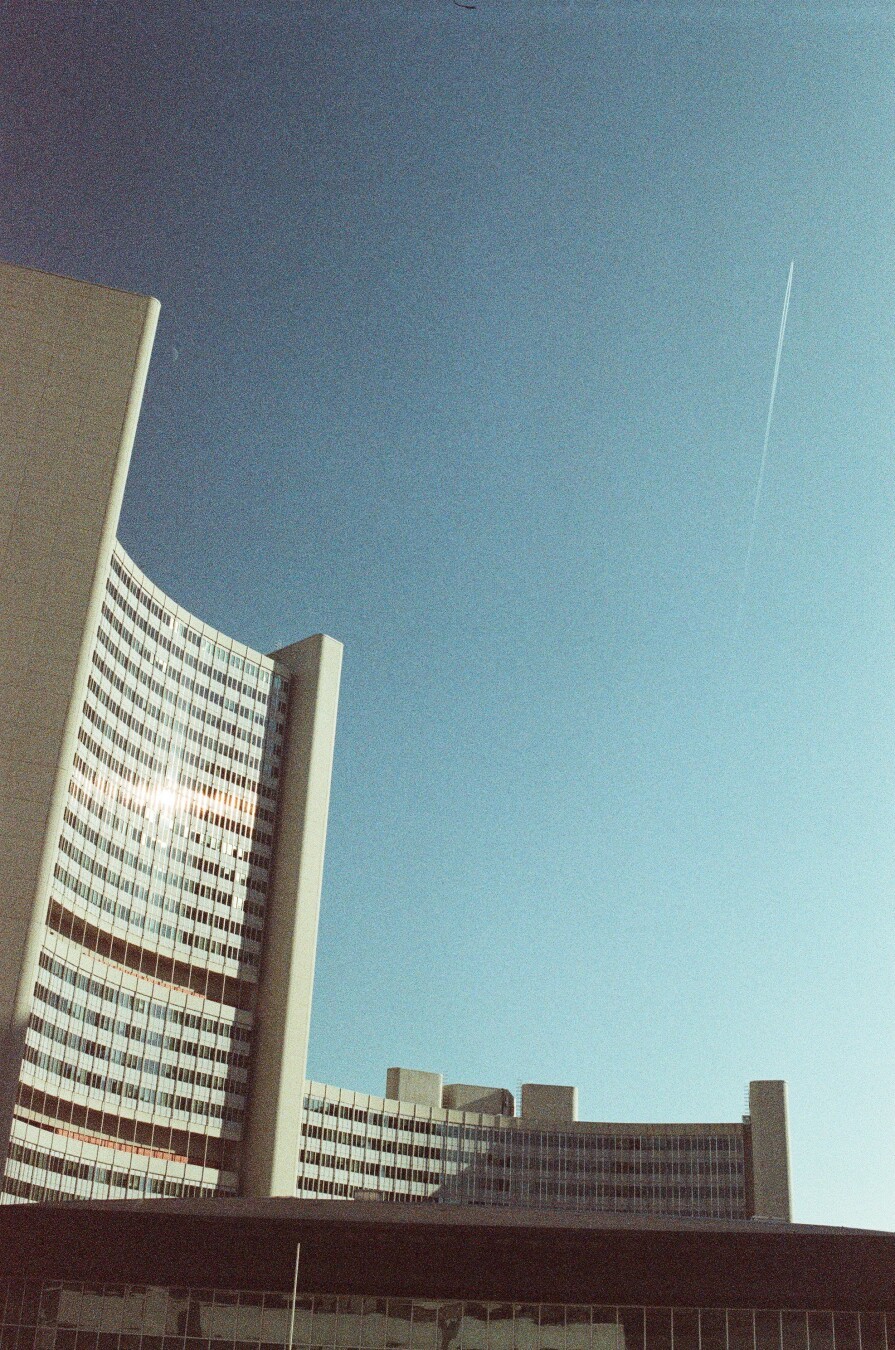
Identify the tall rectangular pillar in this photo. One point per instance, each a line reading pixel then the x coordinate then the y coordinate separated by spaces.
pixel 283 1009
pixel 770 1149
pixel 73 364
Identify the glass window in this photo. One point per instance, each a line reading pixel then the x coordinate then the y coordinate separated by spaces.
pixel 500 1326
pixel 49 1303
pixel 155 1313
pixel 176 1312
pixel 349 1323
pixel 526 1329
pixel 658 1329
pixel 69 1306
pixel 398 1326
pixel 713 1329
pixel 248 1318
pixel 685 1328
pixel 820 1331
pixel 873 1332
pixel 323 1328
pixel 578 1328
pixel 846 1327
pixel 605 1333
pixel 424 1325
pixel 450 1319
pixel 474 1326
pixel 276 1316
pixel 740 1329
pixel 630 1329
pixel 198 1300
pixel 373 1323
pixel 793 1330
pixel 15 1290
pixel 30 1304
pixel 767 1330
pixel 553 1326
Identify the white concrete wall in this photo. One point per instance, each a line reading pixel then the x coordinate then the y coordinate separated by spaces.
pixel 73 364
pixel 283 1012
pixel 770 1149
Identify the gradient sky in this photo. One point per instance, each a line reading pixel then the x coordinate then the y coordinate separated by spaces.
pixel 468 327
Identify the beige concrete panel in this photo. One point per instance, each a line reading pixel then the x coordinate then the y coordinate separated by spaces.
pixel 769 1128
pixel 549 1101
pixel 283 1010
pixel 73 363
pixel 489 1101
pixel 414 1086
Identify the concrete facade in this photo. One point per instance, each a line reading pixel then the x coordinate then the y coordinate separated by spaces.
pixel 414 1086
pixel 283 1010
pixel 359 1146
pixel 74 360
pixel 549 1102
pixel 769 1128
pixel 164 810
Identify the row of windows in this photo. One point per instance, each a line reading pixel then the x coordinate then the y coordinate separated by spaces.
pixel 142 1096
pixel 204 1146
pixel 151 763
pixel 108 819
pixel 90 864
pixel 134 1032
pixel 40 1193
pixel 142 922
pixel 513 1137
pixel 94 1172
pixel 692 1193
pixel 234 661
pixel 167 722
pixel 122 998
pixel 540 1158
pixel 139 594
pixel 371 1168
pixel 135 793
pixel 231 1318
pixel 68 1039
pixel 64 921
pixel 197 708
pixel 643 1165
pixel 166 692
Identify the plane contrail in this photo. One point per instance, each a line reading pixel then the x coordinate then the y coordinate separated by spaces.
pixel 764 453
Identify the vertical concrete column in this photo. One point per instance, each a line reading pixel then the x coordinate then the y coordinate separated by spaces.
pixel 283 1010
pixel 73 364
pixel 770 1149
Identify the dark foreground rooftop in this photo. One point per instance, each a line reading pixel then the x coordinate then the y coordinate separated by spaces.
pixel 451 1252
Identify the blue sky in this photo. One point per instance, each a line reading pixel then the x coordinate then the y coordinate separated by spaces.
pixel 468 327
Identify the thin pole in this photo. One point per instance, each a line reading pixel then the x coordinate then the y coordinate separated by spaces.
pixel 294 1294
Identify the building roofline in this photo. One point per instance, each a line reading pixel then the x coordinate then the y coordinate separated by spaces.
pixel 415 1215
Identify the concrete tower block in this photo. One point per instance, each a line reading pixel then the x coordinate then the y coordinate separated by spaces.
pixel 549 1102
pixel 770 1149
pixel 413 1085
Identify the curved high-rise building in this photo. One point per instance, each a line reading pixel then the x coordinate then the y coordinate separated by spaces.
pixel 458 1144
pixel 164 810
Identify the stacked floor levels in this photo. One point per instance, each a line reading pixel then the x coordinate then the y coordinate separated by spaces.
pixel 459 1144
pixel 165 794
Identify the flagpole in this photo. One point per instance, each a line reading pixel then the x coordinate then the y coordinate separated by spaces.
pixel 294 1294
